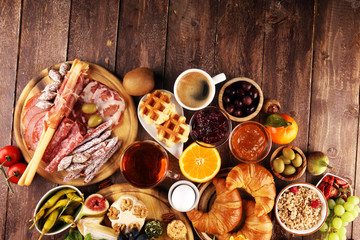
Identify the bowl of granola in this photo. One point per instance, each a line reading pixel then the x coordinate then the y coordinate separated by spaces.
pixel 301 208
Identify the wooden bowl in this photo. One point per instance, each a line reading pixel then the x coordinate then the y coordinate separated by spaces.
pixel 299 171
pixel 259 106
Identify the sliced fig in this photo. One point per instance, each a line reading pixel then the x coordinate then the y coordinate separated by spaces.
pixel 94 205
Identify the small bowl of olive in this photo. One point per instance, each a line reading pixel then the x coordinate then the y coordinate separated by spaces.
pixel 241 98
pixel 288 162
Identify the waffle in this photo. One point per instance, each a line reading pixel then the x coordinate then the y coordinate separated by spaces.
pixel 156 108
pixel 173 131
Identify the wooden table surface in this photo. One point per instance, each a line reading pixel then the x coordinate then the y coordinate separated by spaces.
pixel 304 53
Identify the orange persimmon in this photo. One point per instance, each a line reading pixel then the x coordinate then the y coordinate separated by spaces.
pixel 282 128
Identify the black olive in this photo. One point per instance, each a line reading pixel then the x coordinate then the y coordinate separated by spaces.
pixel 253 93
pixel 134 232
pixel 240 92
pixel 122 237
pixel 238 112
pixel 246 86
pixel 229 108
pixel 142 237
pixel 247 100
pixel 238 103
pixel 226 99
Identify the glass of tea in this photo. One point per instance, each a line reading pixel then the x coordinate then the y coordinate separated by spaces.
pixel 145 164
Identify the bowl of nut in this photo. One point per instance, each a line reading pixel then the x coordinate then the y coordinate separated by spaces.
pixel 288 163
pixel 241 98
pixel 301 208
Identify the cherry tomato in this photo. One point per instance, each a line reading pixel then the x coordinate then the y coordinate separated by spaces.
pixel 9 155
pixel 282 128
pixel 16 171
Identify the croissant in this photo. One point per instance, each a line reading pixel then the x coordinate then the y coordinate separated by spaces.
pixel 255 227
pixel 257 181
pixel 224 214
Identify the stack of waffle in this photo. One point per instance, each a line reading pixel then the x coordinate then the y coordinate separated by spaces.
pixel 157 109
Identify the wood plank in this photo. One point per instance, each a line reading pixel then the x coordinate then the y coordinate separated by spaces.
pixel 9 39
pixel 335 89
pixel 141 41
pixel 239 50
pixel 190 44
pixel 287 70
pixel 93 32
pixel 43 42
pixel 142 37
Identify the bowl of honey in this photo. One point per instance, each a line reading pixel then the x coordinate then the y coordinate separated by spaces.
pixel 250 142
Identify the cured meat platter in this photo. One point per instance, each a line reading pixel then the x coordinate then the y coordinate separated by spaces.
pixel 156 203
pixel 126 131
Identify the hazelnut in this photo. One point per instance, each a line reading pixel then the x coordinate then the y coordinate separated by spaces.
pixel 271 106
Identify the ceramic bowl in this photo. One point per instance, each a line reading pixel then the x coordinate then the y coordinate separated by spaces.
pixel 299 171
pixel 59 227
pixel 235 135
pixel 259 100
pixel 207 111
pixel 346 180
pixel 323 212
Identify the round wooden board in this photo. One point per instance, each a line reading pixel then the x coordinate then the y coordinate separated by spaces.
pixel 156 203
pixel 126 131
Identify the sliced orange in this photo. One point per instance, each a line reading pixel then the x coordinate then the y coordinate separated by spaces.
pixel 199 164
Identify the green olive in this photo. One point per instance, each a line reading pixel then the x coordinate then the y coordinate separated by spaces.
pixel 297 162
pixel 278 165
pixel 94 120
pixel 288 153
pixel 89 108
pixel 289 170
pixel 285 159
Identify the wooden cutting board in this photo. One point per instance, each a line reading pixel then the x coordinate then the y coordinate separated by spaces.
pixel 156 203
pixel 126 131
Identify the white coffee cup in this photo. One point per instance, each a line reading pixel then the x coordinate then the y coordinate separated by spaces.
pixel 195 89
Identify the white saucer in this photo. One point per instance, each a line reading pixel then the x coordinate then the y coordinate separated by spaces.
pixel 178 148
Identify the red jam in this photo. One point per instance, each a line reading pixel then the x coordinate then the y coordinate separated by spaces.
pixel 248 142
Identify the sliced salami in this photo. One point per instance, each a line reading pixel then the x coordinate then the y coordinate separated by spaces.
pixel 61 133
pixel 92 142
pixel 101 162
pixel 33 124
pixel 65 147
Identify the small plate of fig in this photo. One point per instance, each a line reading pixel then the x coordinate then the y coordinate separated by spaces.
pixel 241 98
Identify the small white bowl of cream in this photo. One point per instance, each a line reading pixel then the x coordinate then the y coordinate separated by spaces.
pixel 183 196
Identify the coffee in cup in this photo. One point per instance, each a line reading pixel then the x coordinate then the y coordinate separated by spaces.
pixel 194 89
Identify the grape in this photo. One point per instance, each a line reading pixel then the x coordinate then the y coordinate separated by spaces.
pixel 357 208
pixel 331 203
pixel 339 210
pixel 324 228
pixel 347 217
pixel 336 222
pixel 348 206
pixel 354 213
pixel 353 199
pixel 340 201
pixel 328 212
pixel 344 223
pixel 334 236
pixel 343 237
pixel 341 231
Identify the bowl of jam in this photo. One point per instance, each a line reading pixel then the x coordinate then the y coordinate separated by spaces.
pixel 250 142
pixel 210 127
pixel 241 98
